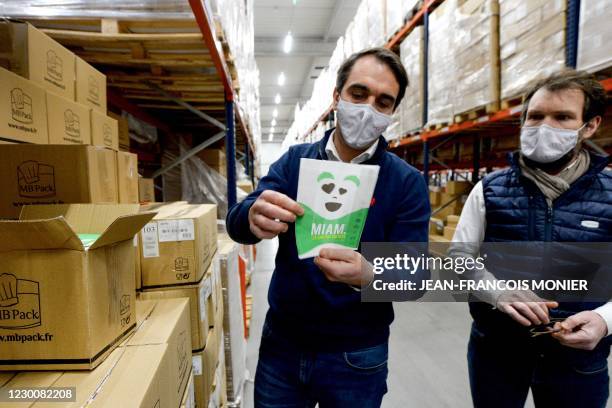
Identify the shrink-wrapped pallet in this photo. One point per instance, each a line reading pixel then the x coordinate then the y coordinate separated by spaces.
pixel 412 53
pixel 595 38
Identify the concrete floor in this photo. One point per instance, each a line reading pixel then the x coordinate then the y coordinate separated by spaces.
pixel 427 357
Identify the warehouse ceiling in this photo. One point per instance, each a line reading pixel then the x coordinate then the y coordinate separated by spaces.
pixel 315 26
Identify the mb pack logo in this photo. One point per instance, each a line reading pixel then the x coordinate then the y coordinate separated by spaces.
pixel 21 106
pixel 72 123
pixel 35 180
pixel 93 90
pixel 19 303
pixel 55 66
pixel 107 134
pixel 124 310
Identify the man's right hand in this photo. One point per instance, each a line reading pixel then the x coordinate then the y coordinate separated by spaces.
pixel 270 213
pixel 525 307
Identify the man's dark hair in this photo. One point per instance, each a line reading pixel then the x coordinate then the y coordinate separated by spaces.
pixel 387 57
pixel 595 99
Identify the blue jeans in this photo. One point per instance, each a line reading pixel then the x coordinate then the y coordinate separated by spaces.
pixel 289 377
pixel 502 369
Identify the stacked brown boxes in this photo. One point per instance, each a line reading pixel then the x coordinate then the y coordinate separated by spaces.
pixel 150 369
pixel 69 285
pixel 146 190
pixel 444 222
pixel 233 319
pixel 215 158
pixel 51 174
pixel 532 42
pixel 127 177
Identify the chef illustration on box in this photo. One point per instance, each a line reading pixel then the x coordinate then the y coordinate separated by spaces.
pixel 335 197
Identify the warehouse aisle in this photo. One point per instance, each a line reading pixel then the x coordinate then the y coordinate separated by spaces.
pixel 427 363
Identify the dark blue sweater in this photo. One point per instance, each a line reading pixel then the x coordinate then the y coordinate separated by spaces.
pixel 304 305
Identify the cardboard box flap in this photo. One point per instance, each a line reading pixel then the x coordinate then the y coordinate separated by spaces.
pixel 83 218
pixel 122 229
pixel 52 233
pixel 183 211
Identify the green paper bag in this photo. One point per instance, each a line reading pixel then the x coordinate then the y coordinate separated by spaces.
pixel 335 197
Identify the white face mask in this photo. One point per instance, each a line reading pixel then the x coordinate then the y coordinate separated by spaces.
pixel 545 144
pixel 360 124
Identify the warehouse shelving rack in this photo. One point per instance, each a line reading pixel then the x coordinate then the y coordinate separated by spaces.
pixel 166 68
pixel 499 124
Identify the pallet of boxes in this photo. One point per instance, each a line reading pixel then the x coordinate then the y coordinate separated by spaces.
pixel 177 258
pixel 69 318
pixel 60 146
pixel 446 205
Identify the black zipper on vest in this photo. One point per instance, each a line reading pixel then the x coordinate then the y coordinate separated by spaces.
pixel 548 224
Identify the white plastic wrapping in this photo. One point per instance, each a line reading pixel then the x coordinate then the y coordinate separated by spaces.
pixel 396 13
pixel 376 23
pixel 441 69
pixel 412 53
pixel 595 38
pixel 532 42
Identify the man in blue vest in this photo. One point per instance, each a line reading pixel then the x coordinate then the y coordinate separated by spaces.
pixel 554 191
pixel 320 343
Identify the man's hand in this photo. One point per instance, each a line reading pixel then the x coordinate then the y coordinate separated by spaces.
pixel 270 213
pixel 344 265
pixel 525 307
pixel 583 330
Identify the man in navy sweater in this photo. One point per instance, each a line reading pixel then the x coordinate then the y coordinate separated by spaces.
pixel 320 343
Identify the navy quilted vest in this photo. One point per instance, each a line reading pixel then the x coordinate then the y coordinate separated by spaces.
pixel 517 211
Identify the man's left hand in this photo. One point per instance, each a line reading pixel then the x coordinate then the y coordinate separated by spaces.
pixel 583 330
pixel 344 265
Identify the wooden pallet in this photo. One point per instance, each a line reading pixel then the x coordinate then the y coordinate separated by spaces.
pixel 249 310
pixel 477 112
pixel 436 126
pixel 512 102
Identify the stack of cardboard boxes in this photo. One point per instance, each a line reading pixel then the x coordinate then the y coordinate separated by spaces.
pixel 69 303
pixel 215 158
pixel 443 224
pixel 60 145
pixel 177 252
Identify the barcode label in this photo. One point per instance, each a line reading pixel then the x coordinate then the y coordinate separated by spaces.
pixel 150 243
pixel 186 230
pixel 168 230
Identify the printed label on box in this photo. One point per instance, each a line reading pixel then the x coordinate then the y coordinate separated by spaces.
pixel 168 230
pixel 196 362
pixel 150 243
pixel 186 230
pixel 19 303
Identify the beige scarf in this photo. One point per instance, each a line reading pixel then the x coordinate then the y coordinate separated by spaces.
pixel 552 186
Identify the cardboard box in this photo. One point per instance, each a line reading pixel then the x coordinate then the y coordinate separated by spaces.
pixel 188 400
pixel 34 55
pixel 146 190
pixel 71 291
pixel 246 186
pixel 68 122
pixel 127 177
pixel 213 157
pixel 457 187
pixel 168 323
pixel 200 306
pixel 205 363
pixel 124 132
pixel 23 109
pixel 90 86
pixel 134 374
pixel 104 130
pixel 137 273
pixel 178 245
pixel 436 226
pixel 449 231
pixel 434 198
pixel 51 174
pixel 452 220
pixel 233 320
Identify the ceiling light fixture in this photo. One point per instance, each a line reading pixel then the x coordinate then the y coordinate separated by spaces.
pixel 275 112
pixel 273 123
pixel 288 43
pixel 277 99
pixel 281 79
pixel 270 137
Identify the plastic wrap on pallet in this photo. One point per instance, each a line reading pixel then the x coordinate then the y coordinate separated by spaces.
pixel 412 55
pixel 396 13
pixel 595 39
pixel 441 67
pixel 475 55
pixel 360 28
pixel 376 23
pixel 532 42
